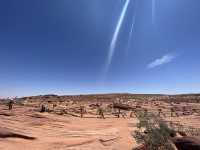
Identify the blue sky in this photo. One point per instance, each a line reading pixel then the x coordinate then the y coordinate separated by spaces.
pixel 64 46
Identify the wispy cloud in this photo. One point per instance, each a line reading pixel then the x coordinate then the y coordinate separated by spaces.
pixel 161 61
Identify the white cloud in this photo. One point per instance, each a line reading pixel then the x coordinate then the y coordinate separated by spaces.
pixel 161 61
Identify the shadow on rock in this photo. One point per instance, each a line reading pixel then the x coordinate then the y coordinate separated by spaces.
pixel 5 133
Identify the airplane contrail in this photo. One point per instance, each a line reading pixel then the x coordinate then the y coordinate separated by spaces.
pixel 115 35
pixel 132 26
pixel 153 11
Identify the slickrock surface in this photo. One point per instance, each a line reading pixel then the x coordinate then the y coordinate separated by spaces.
pixel 25 128
pixel 53 131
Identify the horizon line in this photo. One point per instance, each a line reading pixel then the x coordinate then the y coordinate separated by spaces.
pixel 114 93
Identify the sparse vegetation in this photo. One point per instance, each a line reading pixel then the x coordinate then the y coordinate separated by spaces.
pixel 155 130
pixel 186 130
pixel 153 133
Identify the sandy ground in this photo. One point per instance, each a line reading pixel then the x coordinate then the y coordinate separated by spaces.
pixel 64 133
pixel 70 133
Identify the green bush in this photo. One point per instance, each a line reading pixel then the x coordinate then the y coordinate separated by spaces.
pixel 153 133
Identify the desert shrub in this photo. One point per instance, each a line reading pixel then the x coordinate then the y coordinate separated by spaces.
pixel 153 133
pixel 192 131
pixel 44 109
pixel 187 130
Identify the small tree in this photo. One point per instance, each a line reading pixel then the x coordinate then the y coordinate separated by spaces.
pixel 153 133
